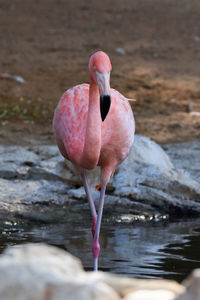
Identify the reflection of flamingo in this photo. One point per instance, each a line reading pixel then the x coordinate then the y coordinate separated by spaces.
pixel 94 125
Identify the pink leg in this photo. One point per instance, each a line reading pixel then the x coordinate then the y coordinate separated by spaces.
pixel 91 202
pixel 96 246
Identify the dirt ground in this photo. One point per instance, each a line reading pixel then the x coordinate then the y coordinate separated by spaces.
pixel 154 46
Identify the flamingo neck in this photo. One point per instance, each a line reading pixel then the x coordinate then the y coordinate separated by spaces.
pixel 92 146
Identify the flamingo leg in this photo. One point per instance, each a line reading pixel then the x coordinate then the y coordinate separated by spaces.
pixel 96 245
pixel 91 202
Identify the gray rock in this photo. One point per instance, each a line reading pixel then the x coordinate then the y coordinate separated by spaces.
pixel 146 183
pixel 153 178
pixel 192 287
pixel 185 156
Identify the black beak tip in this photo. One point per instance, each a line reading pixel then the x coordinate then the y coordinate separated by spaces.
pixel 105 101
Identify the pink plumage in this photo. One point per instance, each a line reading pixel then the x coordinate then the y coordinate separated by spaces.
pixel 85 139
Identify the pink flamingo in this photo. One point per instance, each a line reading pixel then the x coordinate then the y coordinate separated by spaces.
pixel 94 126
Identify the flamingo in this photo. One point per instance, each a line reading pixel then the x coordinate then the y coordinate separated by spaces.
pixel 94 126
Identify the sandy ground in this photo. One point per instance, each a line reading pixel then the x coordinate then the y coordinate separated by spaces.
pixel 154 47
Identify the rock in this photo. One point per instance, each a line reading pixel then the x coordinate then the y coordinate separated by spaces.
pixel 128 288
pixel 27 270
pixel 147 183
pixel 81 291
pixel 192 287
pixel 120 51
pixel 150 295
pixel 41 272
pixel 185 156
pixel 191 105
pixel 196 38
pixel 195 113
pixel 153 179
pixel 37 272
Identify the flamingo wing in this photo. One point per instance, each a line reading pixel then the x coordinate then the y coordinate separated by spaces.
pixel 70 119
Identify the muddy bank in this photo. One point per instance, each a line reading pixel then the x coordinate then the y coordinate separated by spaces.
pixel 154 50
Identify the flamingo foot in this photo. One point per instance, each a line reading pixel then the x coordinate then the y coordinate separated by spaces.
pixel 94 221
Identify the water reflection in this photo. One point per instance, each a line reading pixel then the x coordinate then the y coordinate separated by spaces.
pixel 138 249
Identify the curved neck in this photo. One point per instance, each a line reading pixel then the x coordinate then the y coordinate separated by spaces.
pixel 92 146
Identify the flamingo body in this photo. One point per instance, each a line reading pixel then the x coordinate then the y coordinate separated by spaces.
pixel 94 126
pixel 70 121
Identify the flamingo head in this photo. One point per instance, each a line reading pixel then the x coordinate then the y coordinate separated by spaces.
pixel 100 68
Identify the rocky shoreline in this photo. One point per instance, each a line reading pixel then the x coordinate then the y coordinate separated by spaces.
pixel 36 183
pixel 152 182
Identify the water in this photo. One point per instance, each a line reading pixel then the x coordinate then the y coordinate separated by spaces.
pixel 152 249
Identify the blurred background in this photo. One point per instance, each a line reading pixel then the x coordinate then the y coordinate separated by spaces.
pixel 154 46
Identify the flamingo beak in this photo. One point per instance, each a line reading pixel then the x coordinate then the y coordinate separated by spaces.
pixel 105 101
pixel 103 81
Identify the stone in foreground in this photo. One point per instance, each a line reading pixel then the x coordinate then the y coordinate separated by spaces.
pixel 41 272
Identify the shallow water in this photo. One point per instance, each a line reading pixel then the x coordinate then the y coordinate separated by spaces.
pixel 148 249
